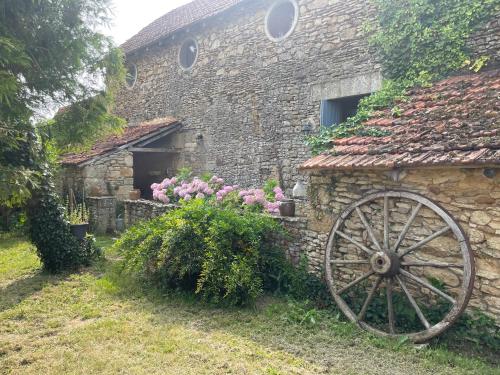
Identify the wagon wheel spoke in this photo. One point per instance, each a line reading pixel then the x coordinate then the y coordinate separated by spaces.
pixel 341 262
pixel 390 306
pixel 386 223
pixel 369 298
pixel 407 226
pixel 432 264
pixel 427 285
pixel 425 241
pixel 353 241
pixel 368 228
pixel 413 303
pixel 355 282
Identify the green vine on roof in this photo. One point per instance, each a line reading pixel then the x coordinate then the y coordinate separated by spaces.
pixel 418 42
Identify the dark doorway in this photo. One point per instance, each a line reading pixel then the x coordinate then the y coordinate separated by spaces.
pixel 152 167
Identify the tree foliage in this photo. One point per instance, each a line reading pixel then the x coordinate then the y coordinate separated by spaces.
pixel 83 123
pixel 49 51
pixel 418 42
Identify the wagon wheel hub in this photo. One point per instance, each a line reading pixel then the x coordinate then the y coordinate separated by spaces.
pixel 385 263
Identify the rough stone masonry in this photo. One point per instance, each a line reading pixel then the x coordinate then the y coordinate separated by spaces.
pixel 248 102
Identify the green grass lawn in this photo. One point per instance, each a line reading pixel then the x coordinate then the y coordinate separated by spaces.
pixel 100 322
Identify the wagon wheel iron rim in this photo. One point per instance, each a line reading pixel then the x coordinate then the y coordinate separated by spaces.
pixel 387 264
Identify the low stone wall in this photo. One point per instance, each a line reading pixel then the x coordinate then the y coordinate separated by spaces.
pixel 139 210
pixel 102 212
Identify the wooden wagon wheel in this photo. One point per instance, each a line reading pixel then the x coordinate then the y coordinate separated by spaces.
pixel 386 258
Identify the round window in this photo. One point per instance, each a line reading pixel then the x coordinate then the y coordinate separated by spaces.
pixel 281 19
pixel 131 76
pixel 188 54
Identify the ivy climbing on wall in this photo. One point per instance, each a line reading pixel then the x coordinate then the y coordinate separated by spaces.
pixel 418 42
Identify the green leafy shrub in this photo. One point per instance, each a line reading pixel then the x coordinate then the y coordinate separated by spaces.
pixel 425 40
pixel 223 255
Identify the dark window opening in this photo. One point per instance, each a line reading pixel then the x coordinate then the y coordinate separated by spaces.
pixel 281 19
pixel 188 54
pixel 336 111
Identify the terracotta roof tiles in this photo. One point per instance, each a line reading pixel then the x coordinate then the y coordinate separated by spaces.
pixel 454 122
pixel 112 143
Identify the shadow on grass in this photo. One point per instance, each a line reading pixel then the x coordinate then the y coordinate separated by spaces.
pixel 19 290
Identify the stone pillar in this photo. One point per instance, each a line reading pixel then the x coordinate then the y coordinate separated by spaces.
pixel 102 214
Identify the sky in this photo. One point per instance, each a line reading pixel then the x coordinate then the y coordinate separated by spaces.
pixel 130 16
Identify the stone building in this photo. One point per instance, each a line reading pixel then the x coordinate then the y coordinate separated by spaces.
pixel 122 164
pixel 249 80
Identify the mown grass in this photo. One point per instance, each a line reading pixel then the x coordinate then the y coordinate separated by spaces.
pixel 99 321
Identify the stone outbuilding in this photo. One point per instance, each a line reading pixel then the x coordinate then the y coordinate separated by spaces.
pixel 445 146
pixel 122 164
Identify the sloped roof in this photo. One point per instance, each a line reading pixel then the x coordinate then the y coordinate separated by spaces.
pixel 130 135
pixel 177 19
pixel 454 122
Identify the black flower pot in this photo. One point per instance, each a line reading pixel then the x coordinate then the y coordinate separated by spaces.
pixel 79 230
pixel 287 207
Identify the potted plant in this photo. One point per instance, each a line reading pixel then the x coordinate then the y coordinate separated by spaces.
pixel 78 217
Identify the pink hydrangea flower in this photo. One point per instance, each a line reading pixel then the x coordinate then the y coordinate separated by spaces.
pixel 162 197
pixel 250 200
pixel 273 207
pixel 187 197
pixel 200 196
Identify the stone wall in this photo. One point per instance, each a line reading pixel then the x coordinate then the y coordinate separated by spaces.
pixel 140 210
pixel 111 175
pixel 102 212
pixel 248 101
pixel 486 41
pixel 469 196
pixel 245 104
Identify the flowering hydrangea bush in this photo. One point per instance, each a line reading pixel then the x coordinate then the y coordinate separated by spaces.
pixel 175 190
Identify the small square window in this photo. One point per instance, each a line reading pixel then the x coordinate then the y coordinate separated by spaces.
pixel 336 111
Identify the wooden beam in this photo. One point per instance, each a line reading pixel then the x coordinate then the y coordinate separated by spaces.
pixel 149 149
